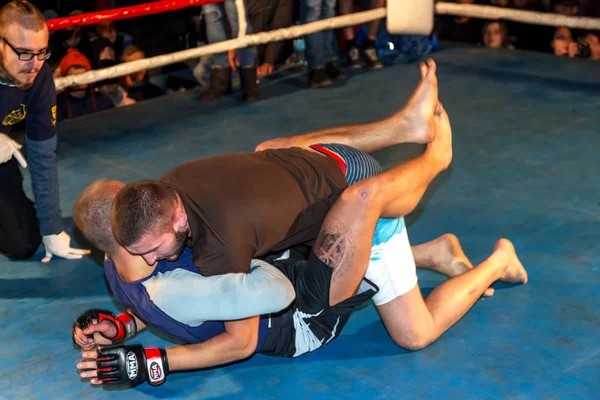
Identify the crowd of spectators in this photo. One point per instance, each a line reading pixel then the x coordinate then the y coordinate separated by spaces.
pixel 326 55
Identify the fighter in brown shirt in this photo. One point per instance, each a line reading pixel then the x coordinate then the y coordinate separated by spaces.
pixel 231 208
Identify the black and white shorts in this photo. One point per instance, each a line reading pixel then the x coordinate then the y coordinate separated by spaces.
pixel 310 323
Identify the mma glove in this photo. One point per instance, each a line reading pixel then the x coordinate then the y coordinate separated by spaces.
pixel 124 322
pixel 132 365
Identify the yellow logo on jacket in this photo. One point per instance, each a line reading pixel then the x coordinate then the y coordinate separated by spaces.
pixel 15 116
pixel 54 116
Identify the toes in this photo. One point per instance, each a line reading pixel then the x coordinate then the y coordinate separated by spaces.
pixel 423 68
pixel 432 66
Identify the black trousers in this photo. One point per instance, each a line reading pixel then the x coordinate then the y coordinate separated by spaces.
pixel 19 227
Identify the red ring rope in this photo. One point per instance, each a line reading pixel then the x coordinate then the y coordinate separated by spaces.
pixel 115 14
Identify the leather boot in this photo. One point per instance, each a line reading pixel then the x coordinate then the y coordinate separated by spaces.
pixel 220 84
pixel 250 89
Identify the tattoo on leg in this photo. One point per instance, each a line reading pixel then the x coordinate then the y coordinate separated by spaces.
pixel 335 247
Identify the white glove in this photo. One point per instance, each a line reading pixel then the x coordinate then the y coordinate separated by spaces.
pixel 10 148
pixel 60 245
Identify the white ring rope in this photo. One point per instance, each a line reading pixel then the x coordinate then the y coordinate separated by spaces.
pixel 238 43
pixel 528 17
pixel 243 40
pixel 242 22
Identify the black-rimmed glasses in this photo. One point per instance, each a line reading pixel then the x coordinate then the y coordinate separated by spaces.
pixel 26 55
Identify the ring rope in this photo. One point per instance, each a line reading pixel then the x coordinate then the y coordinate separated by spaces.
pixel 242 22
pixel 529 17
pixel 115 14
pixel 220 47
pixel 293 32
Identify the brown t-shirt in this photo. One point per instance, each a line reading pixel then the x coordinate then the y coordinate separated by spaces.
pixel 241 206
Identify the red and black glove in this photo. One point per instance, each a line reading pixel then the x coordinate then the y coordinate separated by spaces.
pixel 132 365
pixel 124 322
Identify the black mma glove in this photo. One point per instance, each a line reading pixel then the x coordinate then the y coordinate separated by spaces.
pixel 132 365
pixel 124 322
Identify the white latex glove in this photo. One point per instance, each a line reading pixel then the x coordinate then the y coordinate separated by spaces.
pixel 60 245
pixel 10 148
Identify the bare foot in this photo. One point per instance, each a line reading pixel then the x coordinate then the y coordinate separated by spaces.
pixel 441 145
pixel 514 271
pixel 277 143
pixel 446 256
pixel 416 115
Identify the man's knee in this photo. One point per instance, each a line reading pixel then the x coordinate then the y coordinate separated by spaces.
pixel 310 10
pixel 364 193
pixel 329 8
pixel 21 249
pixel 413 341
pixel 212 13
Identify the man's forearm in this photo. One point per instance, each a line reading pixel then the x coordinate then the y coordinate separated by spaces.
pixel 232 345
pixel 44 178
pixel 139 324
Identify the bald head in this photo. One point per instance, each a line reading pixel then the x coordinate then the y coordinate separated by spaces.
pixel 92 211
pixel 23 13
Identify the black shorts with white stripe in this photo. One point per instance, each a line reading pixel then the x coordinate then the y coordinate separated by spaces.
pixel 310 322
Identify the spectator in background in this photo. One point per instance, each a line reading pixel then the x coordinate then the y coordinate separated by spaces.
pixel 267 15
pixel 62 40
pixel 137 85
pixel 586 46
pixel 495 35
pixel 561 41
pixel 220 81
pixel 118 40
pixel 593 40
pixel 101 50
pixel 530 36
pixel 460 29
pixel 79 100
pixel 319 51
pixel 112 89
pixel 367 53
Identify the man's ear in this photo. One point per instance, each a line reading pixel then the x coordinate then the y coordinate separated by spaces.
pixel 180 221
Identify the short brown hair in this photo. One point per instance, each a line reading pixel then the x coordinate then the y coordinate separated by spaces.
pixel 131 50
pixel 141 208
pixel 23 13
pixel 91 213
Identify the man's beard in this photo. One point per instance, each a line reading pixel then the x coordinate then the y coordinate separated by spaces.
pixel 9 80
pixel 181 239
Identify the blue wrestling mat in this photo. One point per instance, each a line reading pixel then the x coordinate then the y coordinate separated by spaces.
pixel 526 140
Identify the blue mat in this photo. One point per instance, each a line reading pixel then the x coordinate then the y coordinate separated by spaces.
pixel 525 167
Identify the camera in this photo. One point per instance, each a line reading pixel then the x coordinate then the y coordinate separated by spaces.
pixel 583 49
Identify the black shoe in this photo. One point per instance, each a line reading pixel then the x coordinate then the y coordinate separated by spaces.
pixel 370 56
pixel 353 58
pixel 220 84
pixel 250 88
pixel 319 79
pixel 334 72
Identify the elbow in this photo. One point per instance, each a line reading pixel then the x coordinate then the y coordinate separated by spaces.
pixel 247 351
pixel 282 296
pixel 246 346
